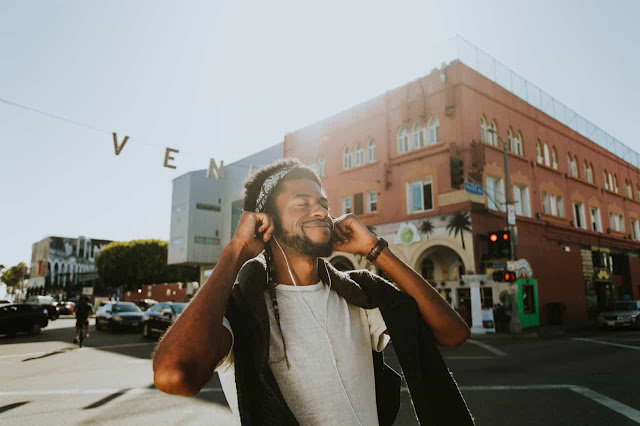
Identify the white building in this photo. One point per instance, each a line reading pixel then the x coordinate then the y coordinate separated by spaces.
pixel 205 211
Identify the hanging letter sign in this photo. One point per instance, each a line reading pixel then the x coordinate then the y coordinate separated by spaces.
pixel 115 143
pixel 214 170
pixel 168 157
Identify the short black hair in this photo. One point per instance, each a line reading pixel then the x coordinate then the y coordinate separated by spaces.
pixel 253 183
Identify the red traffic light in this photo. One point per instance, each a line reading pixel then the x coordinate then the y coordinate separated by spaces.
pixel 505 236
pixel 493 237
pixel 507 276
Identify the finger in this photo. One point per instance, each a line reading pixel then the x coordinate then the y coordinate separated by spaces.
pixel 340 236
pixel 267 234
pixel 265 222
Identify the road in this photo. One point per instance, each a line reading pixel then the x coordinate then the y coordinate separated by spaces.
pixel 590 379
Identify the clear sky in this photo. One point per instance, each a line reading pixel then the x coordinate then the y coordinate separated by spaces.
pixel 225 79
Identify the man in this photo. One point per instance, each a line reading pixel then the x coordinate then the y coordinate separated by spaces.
pixel 296 341
pixel 83 310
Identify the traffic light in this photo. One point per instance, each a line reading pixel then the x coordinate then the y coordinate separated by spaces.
pixel 500 245
pixel 457 172
pixel 503 276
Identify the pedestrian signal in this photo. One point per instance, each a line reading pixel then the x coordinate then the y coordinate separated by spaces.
pixel 499 245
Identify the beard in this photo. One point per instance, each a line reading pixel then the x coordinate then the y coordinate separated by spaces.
pixel 304 244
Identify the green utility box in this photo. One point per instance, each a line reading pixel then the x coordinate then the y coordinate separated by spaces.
pixel 527 302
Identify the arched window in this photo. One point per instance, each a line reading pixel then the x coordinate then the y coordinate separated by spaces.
pixel 493 134
pixel 607 186
pixel 433 127
pixel 320 162
pixel 588 172
pixel 510 139
pixel 417 136
pixel 615 183
pixel 547 160
pixel 371 149
pixel 403 142
pixel 554 158
pixel 539 152
pixel 426 269
pixel 346 159
pixel 515 143
pixel 484 130
pixel 359 155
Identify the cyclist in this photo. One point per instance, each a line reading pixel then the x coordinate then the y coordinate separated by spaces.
pixel 83 310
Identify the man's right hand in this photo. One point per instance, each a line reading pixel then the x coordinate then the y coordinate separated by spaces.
pixel 253 232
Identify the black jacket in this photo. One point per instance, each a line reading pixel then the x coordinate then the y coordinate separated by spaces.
pixel 435 394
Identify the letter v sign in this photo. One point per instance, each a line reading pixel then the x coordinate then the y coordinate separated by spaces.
pixel 115 143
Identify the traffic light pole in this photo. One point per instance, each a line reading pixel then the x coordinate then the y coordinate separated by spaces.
pixel 515 326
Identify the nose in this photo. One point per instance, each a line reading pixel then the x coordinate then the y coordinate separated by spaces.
pixel 320 212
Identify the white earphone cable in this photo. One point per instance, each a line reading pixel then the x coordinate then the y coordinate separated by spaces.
pixel 324 331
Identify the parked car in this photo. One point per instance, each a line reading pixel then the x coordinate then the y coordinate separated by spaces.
pixel 119 316
pixel 66 307
pixel 145 304
pixel 160 317
pixel 48 302
pixel 22 317
pixel 620 314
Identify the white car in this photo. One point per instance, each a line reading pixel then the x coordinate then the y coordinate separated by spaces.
pixel 620 314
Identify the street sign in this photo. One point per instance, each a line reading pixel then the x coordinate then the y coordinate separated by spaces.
pixel 473 188
pixel 511 214
pixel 87 291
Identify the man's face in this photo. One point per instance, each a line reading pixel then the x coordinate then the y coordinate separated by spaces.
pixel 303 221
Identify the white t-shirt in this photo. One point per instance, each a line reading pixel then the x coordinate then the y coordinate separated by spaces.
pixel 311 387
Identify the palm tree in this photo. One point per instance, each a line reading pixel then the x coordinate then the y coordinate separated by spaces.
pixel 427 228
pixel 459 223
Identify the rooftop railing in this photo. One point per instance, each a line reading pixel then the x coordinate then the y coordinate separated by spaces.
pixel 458 48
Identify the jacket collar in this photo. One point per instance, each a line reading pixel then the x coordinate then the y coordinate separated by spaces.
pixel 252 280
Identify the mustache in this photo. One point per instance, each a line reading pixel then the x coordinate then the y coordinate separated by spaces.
pixel 317 222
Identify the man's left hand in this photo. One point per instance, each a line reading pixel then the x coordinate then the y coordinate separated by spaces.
pixel 351 236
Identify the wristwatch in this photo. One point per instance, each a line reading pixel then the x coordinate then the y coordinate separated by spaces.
pixel 376 250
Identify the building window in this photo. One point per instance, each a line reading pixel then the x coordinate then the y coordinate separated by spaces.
pixel 539 152
pixel 521 200
pixel 486 297
pixel 616 222
pixel 515 142
pixel 371 150
pixel 177 241
pixel 635 228
pixel 346 205
pixel 210 241
pixel 419 196
pixel 588 172
pixel 403 142
pixel 596 223
pixel 573 166
pixel 484 130
pixel 359 155
pixel 547 159
pixel 638 192
pixel 346 159
pixel 178 208
pixel 493 134
pixel 629 191
pixel 552 204
pixel 434 130
pixel 320 166
pixel 578 216
pixel 372 202
pixel 554 158
pixel 495 193
pixel 418 136
pixel 615 183
pixel 208 207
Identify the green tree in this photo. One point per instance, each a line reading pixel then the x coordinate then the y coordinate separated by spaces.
pixel 14 276
pixel 135 263
pixel 427 228
pixel 459 223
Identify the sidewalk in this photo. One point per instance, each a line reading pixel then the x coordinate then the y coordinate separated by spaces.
pixel 544 332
